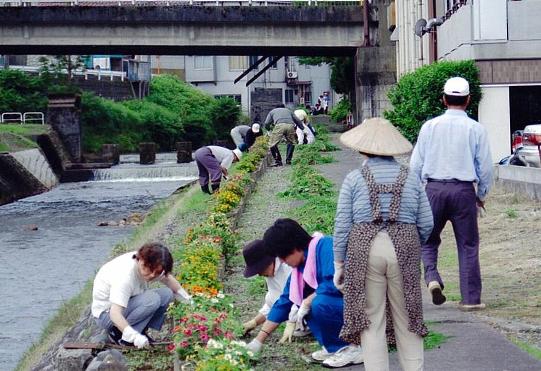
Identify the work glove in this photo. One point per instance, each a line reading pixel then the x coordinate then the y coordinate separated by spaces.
pixel 288 332
pixel 183 296
pixel 254 346
pixel 338 278
pixel 304 309
pixel 249 325
pixel 130 335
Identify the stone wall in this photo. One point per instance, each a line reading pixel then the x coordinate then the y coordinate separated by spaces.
pixel 263 100
pixel 16 181
pixel 116 89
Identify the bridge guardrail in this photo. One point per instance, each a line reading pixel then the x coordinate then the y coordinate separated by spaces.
pixel 179 2
pixel 19 117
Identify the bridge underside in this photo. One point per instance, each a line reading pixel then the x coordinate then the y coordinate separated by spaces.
pixel 181 30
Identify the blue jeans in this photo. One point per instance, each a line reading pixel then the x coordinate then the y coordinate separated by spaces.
pixel 143 310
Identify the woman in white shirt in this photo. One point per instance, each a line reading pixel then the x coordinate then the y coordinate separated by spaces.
pixel 122 302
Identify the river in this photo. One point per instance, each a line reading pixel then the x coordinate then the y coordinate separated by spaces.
pixel 44 267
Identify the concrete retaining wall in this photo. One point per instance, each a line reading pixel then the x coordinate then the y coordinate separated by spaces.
pixel 520 179
pixel 36 164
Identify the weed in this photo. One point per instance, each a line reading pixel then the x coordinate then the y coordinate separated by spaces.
pixel 530 349
pixel 511 213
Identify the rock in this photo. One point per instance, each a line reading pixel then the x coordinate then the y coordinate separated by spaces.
pixel 110 360
pixel 103 224
pixel 72 359
pixel 31 227
pixel 135 218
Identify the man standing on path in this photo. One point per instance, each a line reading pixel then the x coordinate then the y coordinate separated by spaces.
pixel 284 122
pixel 452 153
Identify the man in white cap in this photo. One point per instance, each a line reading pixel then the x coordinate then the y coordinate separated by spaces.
pixel 213 163
pixel 238 134
pixel 451 155
pixel 252 135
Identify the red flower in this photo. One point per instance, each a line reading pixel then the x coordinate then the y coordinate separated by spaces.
pixel 188 332
pixel 171 347
pixel 184 344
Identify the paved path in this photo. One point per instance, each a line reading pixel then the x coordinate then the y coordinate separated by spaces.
pixel 473 344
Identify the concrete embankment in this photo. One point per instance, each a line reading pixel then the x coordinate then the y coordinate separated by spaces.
pixel 520 179
pixel 24 174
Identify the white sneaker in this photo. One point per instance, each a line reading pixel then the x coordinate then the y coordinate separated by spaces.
pixel 321 355
pixel 348 355
pixel 301 333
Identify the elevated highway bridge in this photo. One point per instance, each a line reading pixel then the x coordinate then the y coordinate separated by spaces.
pixel 187 27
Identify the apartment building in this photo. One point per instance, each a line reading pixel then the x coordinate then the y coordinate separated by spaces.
pixel 501 36
pixel 286 80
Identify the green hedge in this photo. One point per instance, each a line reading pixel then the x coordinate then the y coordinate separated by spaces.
pixel 418 95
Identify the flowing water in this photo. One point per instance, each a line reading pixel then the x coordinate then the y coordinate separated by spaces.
pixel 44 267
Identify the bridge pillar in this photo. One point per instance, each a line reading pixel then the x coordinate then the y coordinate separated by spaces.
pixel 375 67
pixel 63 114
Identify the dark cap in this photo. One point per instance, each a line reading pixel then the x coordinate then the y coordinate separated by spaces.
pixel 256 258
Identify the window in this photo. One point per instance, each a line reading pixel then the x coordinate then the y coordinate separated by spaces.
pixel 202 62
pixel 253 59
pixel 274 66
pixel 237 62
pixel 289 95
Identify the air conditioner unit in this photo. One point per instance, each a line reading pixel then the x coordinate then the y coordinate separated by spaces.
pixel 291 74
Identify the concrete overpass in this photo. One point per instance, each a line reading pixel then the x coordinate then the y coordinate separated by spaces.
pixel 182 30
pixel 286 29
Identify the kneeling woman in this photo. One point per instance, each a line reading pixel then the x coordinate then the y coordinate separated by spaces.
pixel 122 303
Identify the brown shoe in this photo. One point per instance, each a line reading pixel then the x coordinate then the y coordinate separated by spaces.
pixel 471 307
pixel 437 293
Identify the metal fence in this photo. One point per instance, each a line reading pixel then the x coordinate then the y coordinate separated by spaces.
pixel 22 118
pixel 180 2
pixel 98 72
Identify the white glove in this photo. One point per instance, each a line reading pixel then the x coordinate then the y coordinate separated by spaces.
pixel 183 296
pixel 338 278
pixel 254 346
pixel 288 332
pixel 249 325
pixel 304 309
pixel 132 336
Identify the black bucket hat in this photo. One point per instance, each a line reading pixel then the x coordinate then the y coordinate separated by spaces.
pixel 256 258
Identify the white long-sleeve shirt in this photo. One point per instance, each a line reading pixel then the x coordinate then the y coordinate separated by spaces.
pixel 275 285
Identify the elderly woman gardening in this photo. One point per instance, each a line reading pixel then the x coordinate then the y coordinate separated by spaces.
pixel 122 303
pixel 382 216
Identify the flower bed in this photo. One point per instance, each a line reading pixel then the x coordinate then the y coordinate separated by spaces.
pixel 204 334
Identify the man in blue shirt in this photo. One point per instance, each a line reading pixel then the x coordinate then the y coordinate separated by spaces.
pixel 310 286
pixel 451 155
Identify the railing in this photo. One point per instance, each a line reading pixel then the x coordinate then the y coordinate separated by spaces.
pixel 26 118
pixel 85 73
pixel 178 2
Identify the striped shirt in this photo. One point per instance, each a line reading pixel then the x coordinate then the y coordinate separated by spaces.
pixel 354 202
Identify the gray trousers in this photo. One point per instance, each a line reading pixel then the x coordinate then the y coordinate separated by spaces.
pixel 209 167
pixel 454 201
pixel 143 310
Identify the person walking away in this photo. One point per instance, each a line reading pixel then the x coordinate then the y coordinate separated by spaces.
pixel 285 123
pixel 452 154
pixel 213 162
pixel 307 135
pixel 238 134
pixel 252 135
pixel 310 286
pixel 122 302
pixel 276 273
pixel 382 216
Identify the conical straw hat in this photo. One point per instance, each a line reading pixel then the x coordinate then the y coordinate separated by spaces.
pixel 376 136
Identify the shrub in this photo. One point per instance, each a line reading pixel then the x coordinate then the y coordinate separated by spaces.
pixel 341 110
pixel 20 92
pixel 417 96
pixel 225 114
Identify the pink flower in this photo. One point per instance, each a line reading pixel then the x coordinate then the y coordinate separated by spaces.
pixel 171 347
pixel 204 338
pixel 228 335
pixel 188 332
pixel 184 344
pixel 202 328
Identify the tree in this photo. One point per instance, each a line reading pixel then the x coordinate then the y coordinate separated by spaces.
pixel 342 72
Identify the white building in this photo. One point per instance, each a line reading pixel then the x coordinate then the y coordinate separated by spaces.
pixel 501 36
pixel 298 83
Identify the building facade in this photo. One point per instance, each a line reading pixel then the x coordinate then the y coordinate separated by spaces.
pixel 504 40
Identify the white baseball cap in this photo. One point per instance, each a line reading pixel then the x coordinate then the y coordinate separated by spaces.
pixel 457 86
pixel 237 153
pixel 256 127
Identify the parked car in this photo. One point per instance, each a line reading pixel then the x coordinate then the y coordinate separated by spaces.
pixel 516 140
pixel 531 145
